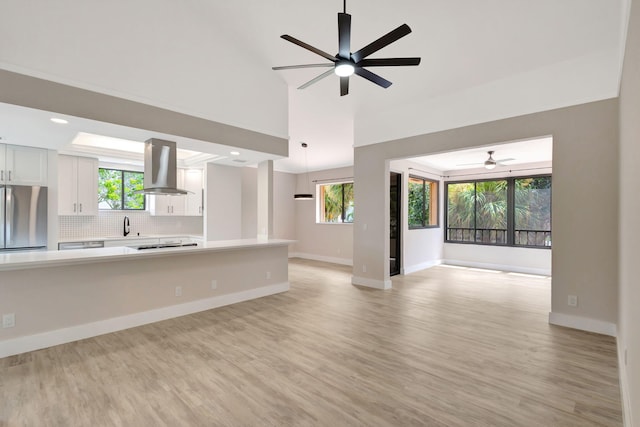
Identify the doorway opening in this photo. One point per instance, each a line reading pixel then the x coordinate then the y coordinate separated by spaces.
pixel 395 229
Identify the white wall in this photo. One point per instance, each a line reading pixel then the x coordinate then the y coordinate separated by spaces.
pixel 421 248
pixel 159 52
pixel 521 260
pixel 284 207
pixel 223 202
pixel 629 176
pixel 324 242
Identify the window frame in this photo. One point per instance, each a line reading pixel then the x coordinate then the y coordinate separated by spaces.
pixel 432 200
pixel 510 211
pixel 122 192
pixel 320 203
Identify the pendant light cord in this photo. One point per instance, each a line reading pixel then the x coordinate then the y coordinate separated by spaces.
pixel 306 165
pixel 345 6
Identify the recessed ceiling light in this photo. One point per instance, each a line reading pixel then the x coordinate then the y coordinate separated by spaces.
pixel 235 153
pixel 59 121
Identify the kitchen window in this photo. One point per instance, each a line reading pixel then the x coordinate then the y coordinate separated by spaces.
pixel 116 189
pixel 423 202
pixel 335 203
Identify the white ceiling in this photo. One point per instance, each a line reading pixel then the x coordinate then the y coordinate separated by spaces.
pixel 481 61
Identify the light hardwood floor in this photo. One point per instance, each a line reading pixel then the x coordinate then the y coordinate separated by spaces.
pixel 444 347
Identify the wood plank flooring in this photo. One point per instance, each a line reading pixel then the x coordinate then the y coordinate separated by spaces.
pixel 444 347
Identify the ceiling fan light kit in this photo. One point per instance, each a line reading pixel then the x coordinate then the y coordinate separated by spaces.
pixel 490 163
pixel 345 63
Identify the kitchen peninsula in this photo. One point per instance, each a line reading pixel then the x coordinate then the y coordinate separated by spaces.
pixel 63 296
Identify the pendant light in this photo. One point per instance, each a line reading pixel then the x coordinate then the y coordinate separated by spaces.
pixel 307 195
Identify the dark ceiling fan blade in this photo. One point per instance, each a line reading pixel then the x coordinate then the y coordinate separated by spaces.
pixel 383 41
pixel 388 62
pixel 344 35
pixel 344 86
pixel 317 79
pixel 293 67
pixel 308 47
pixel 372 77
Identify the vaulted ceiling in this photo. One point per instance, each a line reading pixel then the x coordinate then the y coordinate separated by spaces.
pixel 481 61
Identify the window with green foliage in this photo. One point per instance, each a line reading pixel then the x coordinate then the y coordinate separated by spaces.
pixel 423 202
pixel 509 211
pixel 335 203
pixel 116 189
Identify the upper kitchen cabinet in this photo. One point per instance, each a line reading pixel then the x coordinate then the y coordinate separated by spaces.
pixel 194 184
pixel 77 185
pixel 23 165
pixel 189 205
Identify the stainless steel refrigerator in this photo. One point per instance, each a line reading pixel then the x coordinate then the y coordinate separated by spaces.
pixel 23 217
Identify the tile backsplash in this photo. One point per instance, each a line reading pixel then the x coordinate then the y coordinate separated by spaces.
pixel 109 223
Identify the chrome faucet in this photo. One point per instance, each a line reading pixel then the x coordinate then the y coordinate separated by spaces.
pixel 126 229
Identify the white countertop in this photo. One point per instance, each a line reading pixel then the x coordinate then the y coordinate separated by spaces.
pixel 37 259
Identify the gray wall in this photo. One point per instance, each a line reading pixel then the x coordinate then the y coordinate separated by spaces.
pixel 629 320
pixel 585 200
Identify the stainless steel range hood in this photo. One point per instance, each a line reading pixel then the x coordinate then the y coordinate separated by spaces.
pixel 160 168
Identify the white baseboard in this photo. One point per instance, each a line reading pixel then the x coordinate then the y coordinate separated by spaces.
pixel 422 266
pixel 583 323
pixel 371 283
pixel 23 344
pixel 333 260
pixel 624 386
pixel 501 267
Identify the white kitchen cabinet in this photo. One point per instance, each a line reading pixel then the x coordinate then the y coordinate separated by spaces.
pixel 166 205
pixel 77 185
pixel 193 183
pixel 23 165
pixel 183 205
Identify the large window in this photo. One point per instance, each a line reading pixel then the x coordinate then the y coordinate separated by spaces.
pixel 116 189
pixel 423 202
pixel 510 211
pixel 335 203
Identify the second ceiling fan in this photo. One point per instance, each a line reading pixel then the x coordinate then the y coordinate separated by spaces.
pixel 345 63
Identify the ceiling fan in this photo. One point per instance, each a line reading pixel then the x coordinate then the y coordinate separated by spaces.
pixel 490 163
pixel 345 63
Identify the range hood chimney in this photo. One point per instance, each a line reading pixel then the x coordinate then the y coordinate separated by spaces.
pixel 160 168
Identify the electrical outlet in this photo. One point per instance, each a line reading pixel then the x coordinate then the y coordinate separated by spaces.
pixel 268 275
pixel 572 301
pixel 178 291
pixel 214 284
pixel 8 320
pixel 364 268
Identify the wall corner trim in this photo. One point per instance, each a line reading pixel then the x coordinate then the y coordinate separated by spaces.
pixel 39 341
pixel 583 323
pixel 371 283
